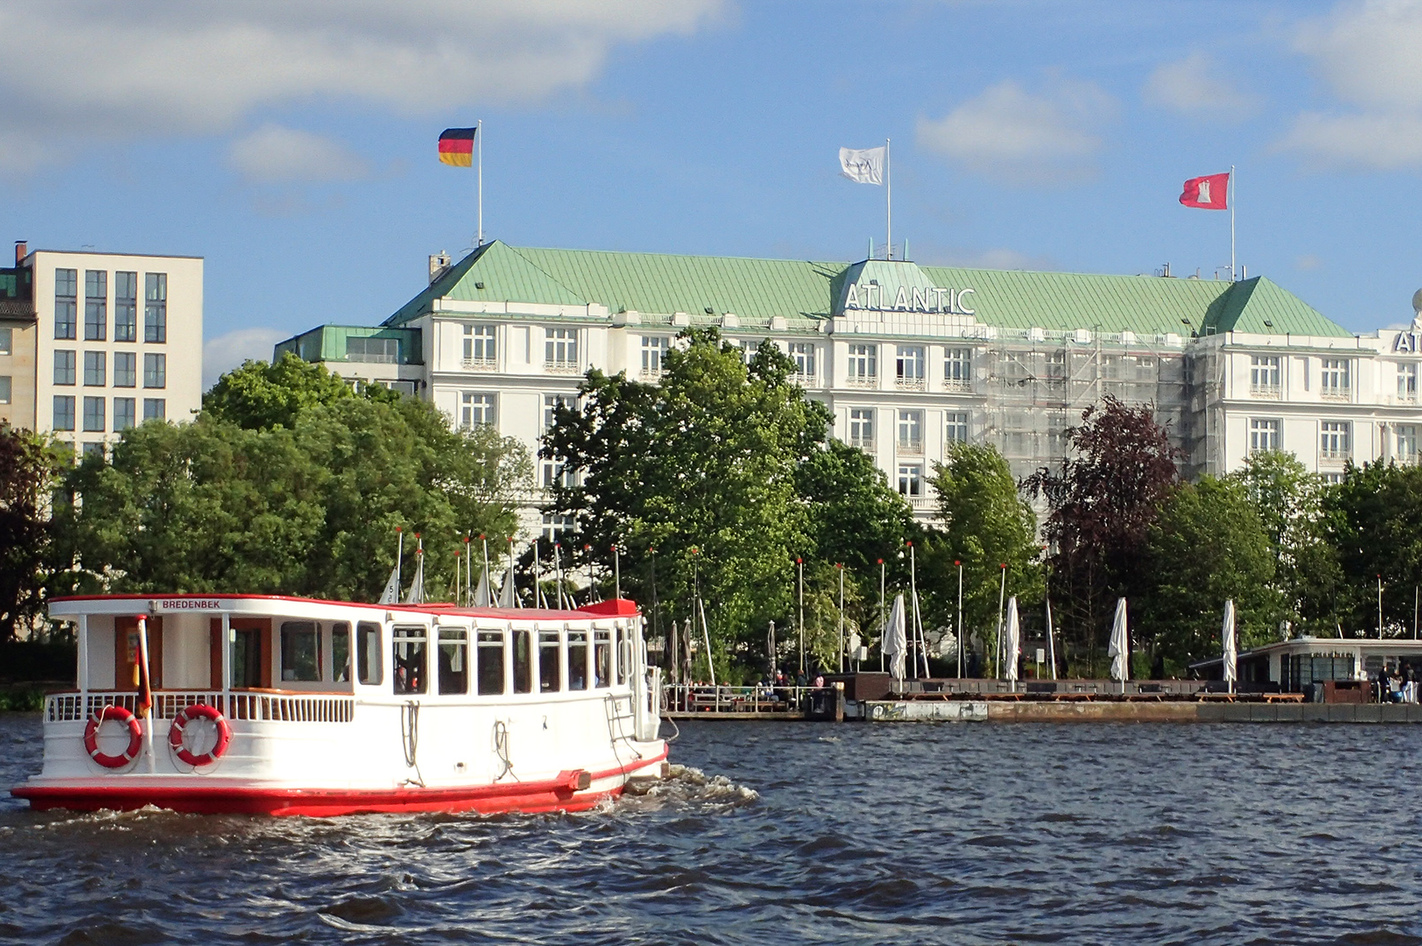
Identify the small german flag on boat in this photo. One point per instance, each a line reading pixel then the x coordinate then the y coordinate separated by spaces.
pixel 456 146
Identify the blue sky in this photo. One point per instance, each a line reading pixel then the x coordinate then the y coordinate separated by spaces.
pixel 292 142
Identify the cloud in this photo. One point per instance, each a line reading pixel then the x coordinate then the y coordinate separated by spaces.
pixel 1366 54
pixel 1193 86
pixel 225 352
pixel 272 153
pixel 1022 137
pixel 1308 262
pixel 163 67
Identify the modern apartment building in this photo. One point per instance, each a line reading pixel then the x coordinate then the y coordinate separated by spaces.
pixel 112 340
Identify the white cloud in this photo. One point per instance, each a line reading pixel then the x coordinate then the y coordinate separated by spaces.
pixel 1379 142
pixel 1194 86
pixel 225 352
pixel 273 153
pixel 92 68
pixel 1308 262
pixel 1010 133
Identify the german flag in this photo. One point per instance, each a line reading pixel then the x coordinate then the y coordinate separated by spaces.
pixel 456 147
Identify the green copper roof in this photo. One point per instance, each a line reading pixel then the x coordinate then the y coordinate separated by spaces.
pixel 757 290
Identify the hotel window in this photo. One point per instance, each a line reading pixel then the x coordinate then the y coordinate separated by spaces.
pixel 864 365
pixel 560 348
pixel 379 351
pixel 155 370
pixel 1407 382
pixel 551 474
pixel 1263 435
pixel 1335 438
pixel 125 369
pixel 654 352
pixel 7 341
pixel 66 302
pixel 155 408
pixel 958 369
pixel 911 480
pixel 64 367
pixel 744 348
pixel 124 413
pixel 480 345
pixel 551 403
pixel 556 526
pixel 476 409
pixel 63 412
pixel 911 432
pixel 861 427
pixel 908 366
pixel 1407 443
pixel 955 430
pixel 93 449
pixel 155 307
pixel 1056 365
pixel 803 354
pixel 125 307
pixel 94 413
pixel 1336 381
pixel 5 386
pixel 95 363
pixel 96 305
pixel 1264 375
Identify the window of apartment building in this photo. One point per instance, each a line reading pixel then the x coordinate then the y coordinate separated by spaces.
pixel 1264 374
pixel 94 413
pixel 477 408
pixel 64 366
pixel 155 307
pixel 95 369
pixel 124 413
pixel 910 431
pixel 861 427
pixel 556 527
pixel 92 448
pixel 66 302
pixel 125 307
pixel 7 341
pixel 155 370
pixel 481 347
pixel 1263 435
pixel 910 480
pixel 96 305
pixel 1406 442
pixel 379 351
pixel 803 354
pixel 908 366
pixel 155 408
pixel 1335 439
pixel 1408 381
pixel 560 347
pixel 955 428
pixel 551 403
pixel 744 347
pixel 125 369
pixel 551 473
pixel 63 412
pixel 1056 365
pixel 654 353
pixel 1336 378
pixel 958 368
pixel 863 364
pixel 5 386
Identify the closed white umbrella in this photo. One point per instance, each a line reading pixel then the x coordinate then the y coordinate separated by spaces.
pixel 1231 651
pixel 1120 650
pixel 1011 646
pixel 895 644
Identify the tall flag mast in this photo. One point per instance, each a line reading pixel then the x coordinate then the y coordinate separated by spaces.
pixel 1214 192
pixel 457 147
pixel 871 166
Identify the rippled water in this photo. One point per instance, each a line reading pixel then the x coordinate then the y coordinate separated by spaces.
pixel 791 833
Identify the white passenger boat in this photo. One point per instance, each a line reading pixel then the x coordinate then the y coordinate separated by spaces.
pixel 328 708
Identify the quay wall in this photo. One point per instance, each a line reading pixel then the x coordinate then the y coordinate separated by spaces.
pixel 1185 712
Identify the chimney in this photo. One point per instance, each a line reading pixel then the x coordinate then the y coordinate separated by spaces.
pixel 438 264
pixel 22 249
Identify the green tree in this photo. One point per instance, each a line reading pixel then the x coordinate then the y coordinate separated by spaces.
pixel 1208 545
pixel 1371 519
pixel 30 467
pixel 259 395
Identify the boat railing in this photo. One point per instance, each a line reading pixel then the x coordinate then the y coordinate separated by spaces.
pixel 699 698
pixel 239 704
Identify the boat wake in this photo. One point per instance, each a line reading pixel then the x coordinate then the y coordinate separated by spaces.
pixel 689 787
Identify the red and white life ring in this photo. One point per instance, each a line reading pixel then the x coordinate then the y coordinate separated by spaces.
pixel 178 742
pixel 91 737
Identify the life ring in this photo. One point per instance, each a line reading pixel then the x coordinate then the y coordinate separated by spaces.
pixel 176 733
pixel 91 737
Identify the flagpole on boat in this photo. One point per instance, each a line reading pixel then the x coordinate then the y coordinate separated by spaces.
pixel 616 572
pixel 538 600
pixel 468 573
pixel 399 554
pixel 145 693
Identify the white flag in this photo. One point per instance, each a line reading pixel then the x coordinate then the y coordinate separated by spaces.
pixel 863 167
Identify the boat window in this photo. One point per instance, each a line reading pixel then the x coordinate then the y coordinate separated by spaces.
pixel 246 657
pixel 300 651
pixel 549 670
pixel 522 662
pixel 410 643
pixel 577 660
pixel 602 658
pixel 491 663
pixel 453 660
pixel 341 652
pixel 368 653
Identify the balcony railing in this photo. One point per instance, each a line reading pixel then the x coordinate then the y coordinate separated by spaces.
pixel 245 704
pixel 911 446
pixel 1336 394
pixel 480 364
pixel 1267 391
pixel 562 367
pixel 909 384
pixel 863 381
